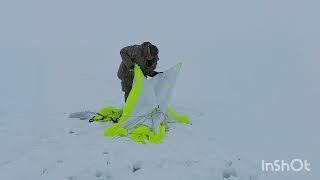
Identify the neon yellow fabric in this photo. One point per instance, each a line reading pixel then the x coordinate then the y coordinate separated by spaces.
pixel 180 119
pixel 134 94
pixel 157 138
pixel 107 113
pixel 142 134
pixel 116 130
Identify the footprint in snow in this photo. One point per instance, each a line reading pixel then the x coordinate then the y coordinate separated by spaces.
pixel 72 178
pixel 229 172
pixel 59 161
pixel 105 174
pixel 105 152
pixel 97 173
pixel 44 171
pixel 136 166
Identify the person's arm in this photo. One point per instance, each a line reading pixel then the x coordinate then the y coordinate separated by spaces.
pixel 127 54
pixel 151 70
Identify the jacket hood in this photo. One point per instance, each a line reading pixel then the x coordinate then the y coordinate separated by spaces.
pixel 146 44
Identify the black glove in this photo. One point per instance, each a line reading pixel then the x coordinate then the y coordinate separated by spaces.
pixel 158 73
pixel 155 73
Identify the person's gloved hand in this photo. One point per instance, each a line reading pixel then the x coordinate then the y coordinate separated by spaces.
pixel 155 73
pixel 158 73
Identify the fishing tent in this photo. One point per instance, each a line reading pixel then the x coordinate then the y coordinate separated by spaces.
pixel 146 112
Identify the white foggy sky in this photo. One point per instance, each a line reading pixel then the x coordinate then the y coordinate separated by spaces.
pixel 236 38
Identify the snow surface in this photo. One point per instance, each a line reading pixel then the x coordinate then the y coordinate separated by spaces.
pixel 62 148
pixel 249 82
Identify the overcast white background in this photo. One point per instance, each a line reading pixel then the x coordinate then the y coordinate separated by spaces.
pixel 250 66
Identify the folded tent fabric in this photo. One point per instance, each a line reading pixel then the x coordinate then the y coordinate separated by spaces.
pixel 106 114
pixel 146 110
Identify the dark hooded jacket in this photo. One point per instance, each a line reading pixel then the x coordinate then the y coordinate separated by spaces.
pixel 136 54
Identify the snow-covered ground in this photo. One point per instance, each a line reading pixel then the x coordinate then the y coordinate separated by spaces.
pixel 55 147
pixel 249 82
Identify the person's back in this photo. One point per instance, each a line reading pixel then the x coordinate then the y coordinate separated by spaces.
pixel 145 55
